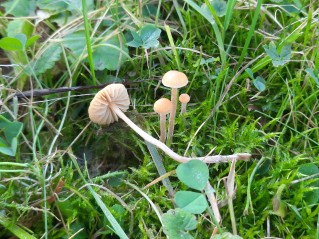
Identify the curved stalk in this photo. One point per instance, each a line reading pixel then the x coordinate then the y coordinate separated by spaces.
pixel 171 153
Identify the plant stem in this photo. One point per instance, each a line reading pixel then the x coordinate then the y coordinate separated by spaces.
pixel 172 116
pixel 168 151
pixel 232 215
pixel 163 127
pixel 183 108
pixel 88 40
pixel 209 191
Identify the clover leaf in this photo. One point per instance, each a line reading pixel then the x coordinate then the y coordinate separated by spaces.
pixel 278 59
pixel 194 174
pixel 176 223
pixel 10 131
pixel 146 38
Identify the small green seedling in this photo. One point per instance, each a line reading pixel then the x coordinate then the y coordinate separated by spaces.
pixel 10 131
pixel 311 196
pixel 146 38
pixel 195 175
pixel 177 223
pixel 17 43
pixel 278 59
pixel 258 82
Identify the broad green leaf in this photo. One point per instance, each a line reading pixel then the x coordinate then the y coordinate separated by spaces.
pixel 75 6
pixel 18 26
pixel 54 6
pixel 62 18
pixel 194 174
pixel 146 38
pixel 285 53
pixel 75 42
pixel 260 83
pixel 10 44
pixel 8 137
pixel 31 40
pixel 22 38
pixel 176 223
pixel 149 35
pixel 192 202
pixel 308 169
pixel 311 196
pixel 149 10
pixel 278 59
pixel 250 73
pixel 219 6
pixel 110 54
pixel 137 40
pixel 46 60
pixel 20 8
pixel 271 50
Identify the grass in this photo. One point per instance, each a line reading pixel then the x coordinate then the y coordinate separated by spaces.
pixel 103 170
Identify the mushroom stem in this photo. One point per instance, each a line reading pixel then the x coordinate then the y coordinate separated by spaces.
pixel 168 151
pixel 163 127
pixel 183 108
pixel 172 116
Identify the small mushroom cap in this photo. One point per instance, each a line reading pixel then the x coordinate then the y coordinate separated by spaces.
pixel 100 109
pixel 174 79
pixel 163 106
pixel 184 98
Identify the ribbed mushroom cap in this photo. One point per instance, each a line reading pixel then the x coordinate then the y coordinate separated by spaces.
pixel 184 98
pixel 174 79
pixel 163 106
pixel 100 111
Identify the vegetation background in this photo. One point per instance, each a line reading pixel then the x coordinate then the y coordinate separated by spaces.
pixel 254 84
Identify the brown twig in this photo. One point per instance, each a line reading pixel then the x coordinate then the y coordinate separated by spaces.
pixel 39 93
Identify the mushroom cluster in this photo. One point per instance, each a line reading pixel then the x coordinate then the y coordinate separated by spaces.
pixel 174 80
pixel 110 103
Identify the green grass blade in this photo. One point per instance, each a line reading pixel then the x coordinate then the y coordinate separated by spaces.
pixel 215 28
pixel 250 34
pixel 116 226
pixel 158 213
pixel 88 40
pixel 171 41
pixel 157 159
pixel 15 229
pixel 179 14
pixel 229 13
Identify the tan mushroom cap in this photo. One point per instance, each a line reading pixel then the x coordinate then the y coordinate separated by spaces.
pixel 174 79
pixel 163 106
pixel 100 109
pixel 184 98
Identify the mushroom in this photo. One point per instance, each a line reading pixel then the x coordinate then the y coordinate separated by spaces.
pixel 163 106
pixel 174 80
pixel 110 102
pixel 184 99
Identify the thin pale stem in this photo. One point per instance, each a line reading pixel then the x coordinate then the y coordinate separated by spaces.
pixel 209 191
pixel 172 116
pixel 183 108
pixel 163 127
pixel 171 153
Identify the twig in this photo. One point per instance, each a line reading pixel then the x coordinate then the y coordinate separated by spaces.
pixel 39 93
